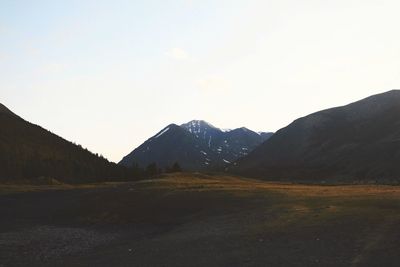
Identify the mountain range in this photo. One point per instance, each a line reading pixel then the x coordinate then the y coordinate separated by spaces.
pixel 356 142
pixel 196 146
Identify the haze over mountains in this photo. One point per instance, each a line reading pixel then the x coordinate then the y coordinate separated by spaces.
pixel 359 141
pixel 28 151
pixel 196 145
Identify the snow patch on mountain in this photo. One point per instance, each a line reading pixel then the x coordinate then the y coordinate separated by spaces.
pixel 198 142
pixel 162 132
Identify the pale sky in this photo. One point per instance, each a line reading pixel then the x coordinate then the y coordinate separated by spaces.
pixel 110 74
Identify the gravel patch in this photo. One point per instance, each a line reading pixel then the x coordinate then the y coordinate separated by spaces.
pixel 39 245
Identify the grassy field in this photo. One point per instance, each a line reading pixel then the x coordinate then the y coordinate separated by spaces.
pixel 199 220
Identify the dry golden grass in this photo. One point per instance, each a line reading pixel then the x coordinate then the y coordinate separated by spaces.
pixel 200 182
pixel 21 188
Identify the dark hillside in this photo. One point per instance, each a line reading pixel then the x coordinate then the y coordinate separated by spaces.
pixel 28 151
pixel 357 142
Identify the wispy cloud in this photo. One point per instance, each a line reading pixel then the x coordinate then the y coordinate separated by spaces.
pixel 213 84
pixel 51 68
pixel 32 51
pixel 3 56
pixel 3 29
pixel 178 53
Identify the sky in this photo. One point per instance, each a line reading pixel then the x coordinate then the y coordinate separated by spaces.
pixel 110 74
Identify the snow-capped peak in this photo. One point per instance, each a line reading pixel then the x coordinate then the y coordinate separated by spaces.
pixel 197 126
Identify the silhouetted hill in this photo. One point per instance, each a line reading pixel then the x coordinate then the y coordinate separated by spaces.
pixel 360 141
pixel 28 151
pixel 196 145
pixel 4 110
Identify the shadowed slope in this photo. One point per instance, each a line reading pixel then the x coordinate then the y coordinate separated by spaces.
pixel 5 111
pixel 172 144
pixel 28 151
pixel 360 141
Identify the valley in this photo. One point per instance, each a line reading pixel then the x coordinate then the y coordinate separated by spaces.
pixel 192 219
pixel 199 133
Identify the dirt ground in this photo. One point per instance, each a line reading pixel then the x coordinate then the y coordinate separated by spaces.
pixel 199 220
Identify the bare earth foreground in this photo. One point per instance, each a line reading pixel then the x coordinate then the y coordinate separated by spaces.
pixel 199 220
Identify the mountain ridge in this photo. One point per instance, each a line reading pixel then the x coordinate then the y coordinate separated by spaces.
pixel 201 146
